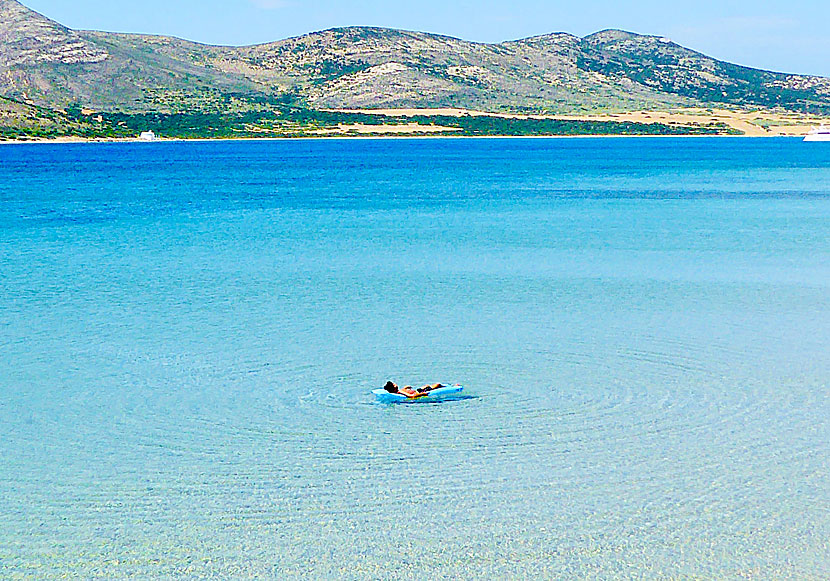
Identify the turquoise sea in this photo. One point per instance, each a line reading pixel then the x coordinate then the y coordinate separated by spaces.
pixel 189 333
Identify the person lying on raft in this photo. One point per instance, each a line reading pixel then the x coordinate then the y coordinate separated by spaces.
pixel 408 391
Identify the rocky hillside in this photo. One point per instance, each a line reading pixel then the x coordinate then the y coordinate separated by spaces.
pixel 27 39
pixel 44 63
pixel 23 121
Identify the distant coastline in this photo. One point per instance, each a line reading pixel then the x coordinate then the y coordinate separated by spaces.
pixel 449 123
pixel 751 123
pixel 390 137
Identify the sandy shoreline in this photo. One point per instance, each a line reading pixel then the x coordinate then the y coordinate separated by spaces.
pixel 754 123
pixel 71 140
pixel 385 136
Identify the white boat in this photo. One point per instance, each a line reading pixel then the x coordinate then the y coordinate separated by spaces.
pixel 818 134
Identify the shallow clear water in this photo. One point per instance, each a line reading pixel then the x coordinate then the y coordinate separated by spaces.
pixel 189 333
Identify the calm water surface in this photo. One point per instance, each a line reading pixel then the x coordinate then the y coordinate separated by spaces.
pixel 189 333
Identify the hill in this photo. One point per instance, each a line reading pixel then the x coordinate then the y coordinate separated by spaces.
pixel 45 63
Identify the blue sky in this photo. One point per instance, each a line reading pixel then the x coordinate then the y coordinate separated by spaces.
pixel 791 36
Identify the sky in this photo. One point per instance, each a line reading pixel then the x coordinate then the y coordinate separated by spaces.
pixel 791 36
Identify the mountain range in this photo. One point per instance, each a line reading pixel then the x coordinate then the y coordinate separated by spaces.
pixel 46 64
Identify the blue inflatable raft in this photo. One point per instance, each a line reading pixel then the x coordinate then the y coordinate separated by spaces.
pixel 446 392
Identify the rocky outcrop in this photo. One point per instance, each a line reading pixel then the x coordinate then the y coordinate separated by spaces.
pixel 27 38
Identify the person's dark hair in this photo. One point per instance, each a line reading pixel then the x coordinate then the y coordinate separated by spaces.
pixel 390 387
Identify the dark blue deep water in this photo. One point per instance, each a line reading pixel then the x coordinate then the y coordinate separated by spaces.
pixel 189 333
